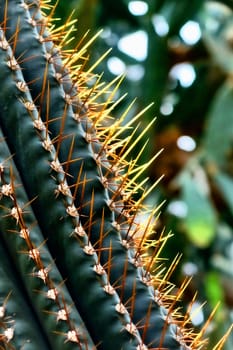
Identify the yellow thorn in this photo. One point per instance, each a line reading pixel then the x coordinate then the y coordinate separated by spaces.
pixel 220 344
pixel 138 139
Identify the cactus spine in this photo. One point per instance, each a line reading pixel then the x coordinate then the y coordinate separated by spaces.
pixel 70 237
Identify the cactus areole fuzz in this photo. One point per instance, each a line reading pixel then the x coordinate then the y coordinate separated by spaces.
pixel 75 272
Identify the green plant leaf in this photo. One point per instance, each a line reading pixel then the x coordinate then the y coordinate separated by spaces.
pixel 225 184
pixel 219 129
pixel 213 288
pixel 200 220
pixel 176 16
pixel 216 23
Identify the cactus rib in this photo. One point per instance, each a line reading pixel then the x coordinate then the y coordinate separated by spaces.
pixel 36 267
pixel 58 219
pixel 18 327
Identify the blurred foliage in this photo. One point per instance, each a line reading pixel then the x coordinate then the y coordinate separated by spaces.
pixel 187 71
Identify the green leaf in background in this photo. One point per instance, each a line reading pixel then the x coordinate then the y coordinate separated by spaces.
pixel 225 184
pixel 200 221
pixel 218 135
pixel 216 22
pixel 213 289
pixel 176 15
pixel 215 295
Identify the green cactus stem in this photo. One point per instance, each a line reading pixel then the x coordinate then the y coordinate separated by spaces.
pixel 71 230
pixel 35 265
pixel 58 222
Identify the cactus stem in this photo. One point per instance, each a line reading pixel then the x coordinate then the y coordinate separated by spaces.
pixel 82 193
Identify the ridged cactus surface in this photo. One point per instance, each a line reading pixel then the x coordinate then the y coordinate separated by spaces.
pixel 74 271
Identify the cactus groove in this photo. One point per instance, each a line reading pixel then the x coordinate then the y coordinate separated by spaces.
pixel 73 249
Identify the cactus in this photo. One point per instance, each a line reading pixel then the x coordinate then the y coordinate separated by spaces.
pixel 75 269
